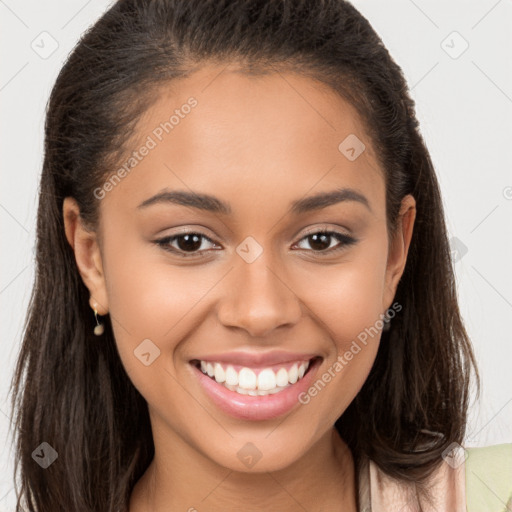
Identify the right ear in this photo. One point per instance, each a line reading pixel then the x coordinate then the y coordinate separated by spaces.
pixel 87 254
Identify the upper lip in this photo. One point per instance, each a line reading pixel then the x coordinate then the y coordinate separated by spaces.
pixel 257 358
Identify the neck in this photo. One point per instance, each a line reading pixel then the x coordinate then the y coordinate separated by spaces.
pixel 187 480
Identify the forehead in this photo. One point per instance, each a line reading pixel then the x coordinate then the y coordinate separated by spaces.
pixel 270 136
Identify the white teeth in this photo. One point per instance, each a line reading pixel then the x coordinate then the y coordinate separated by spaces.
pixel 220 375
pixel 231 376
pixel 246 382
pixel 243 391
pixel 266 380
pixel 282 377
pixel 247 379
pixel 293 374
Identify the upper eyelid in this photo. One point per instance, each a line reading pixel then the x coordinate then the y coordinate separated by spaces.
pixel 323 229
pixel 309 232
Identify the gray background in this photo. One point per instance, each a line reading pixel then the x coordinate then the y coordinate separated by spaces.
pixel 464 104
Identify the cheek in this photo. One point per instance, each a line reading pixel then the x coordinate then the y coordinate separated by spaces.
pixel 149 295
pixel 150 301
pixel 347 297
pixel 347 301
pixel 348 306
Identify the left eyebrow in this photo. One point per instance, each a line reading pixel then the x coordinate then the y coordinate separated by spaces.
pixel 325 199
pixel 215 205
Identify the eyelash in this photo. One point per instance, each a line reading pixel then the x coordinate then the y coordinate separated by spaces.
pixel 345 240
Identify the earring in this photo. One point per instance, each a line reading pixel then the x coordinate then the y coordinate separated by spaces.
pixel 387 324
pixel 99 329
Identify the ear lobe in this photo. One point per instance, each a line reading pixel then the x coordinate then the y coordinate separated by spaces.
pixel 84 243
pixel 399 249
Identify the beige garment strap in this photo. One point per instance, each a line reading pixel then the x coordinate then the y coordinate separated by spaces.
pixel 380 493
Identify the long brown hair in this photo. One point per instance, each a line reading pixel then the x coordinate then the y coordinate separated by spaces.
pixel 73 392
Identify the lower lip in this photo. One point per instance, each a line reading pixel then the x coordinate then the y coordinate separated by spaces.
pixel 255 408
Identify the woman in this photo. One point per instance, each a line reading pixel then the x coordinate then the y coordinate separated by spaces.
pixel 244 295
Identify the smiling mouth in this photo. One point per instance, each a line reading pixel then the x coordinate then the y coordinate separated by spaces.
pixel 261 381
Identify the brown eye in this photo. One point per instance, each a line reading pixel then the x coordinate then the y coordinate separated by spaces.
pixel 189 243
pixel 186 244
pixel 321 241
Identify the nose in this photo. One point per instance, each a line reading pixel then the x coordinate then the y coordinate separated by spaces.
pixel 258 299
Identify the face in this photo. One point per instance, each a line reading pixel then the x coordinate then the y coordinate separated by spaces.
pixel 285 264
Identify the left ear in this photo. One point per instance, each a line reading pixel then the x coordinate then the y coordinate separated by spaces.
pixel 399 248
pixel 84 243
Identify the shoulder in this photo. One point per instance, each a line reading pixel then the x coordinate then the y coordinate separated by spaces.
pixel 468 479
pixel 489 478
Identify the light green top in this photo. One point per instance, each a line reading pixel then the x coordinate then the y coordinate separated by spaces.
pixel 489 478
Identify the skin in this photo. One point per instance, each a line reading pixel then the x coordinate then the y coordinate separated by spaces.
pixel 258 143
